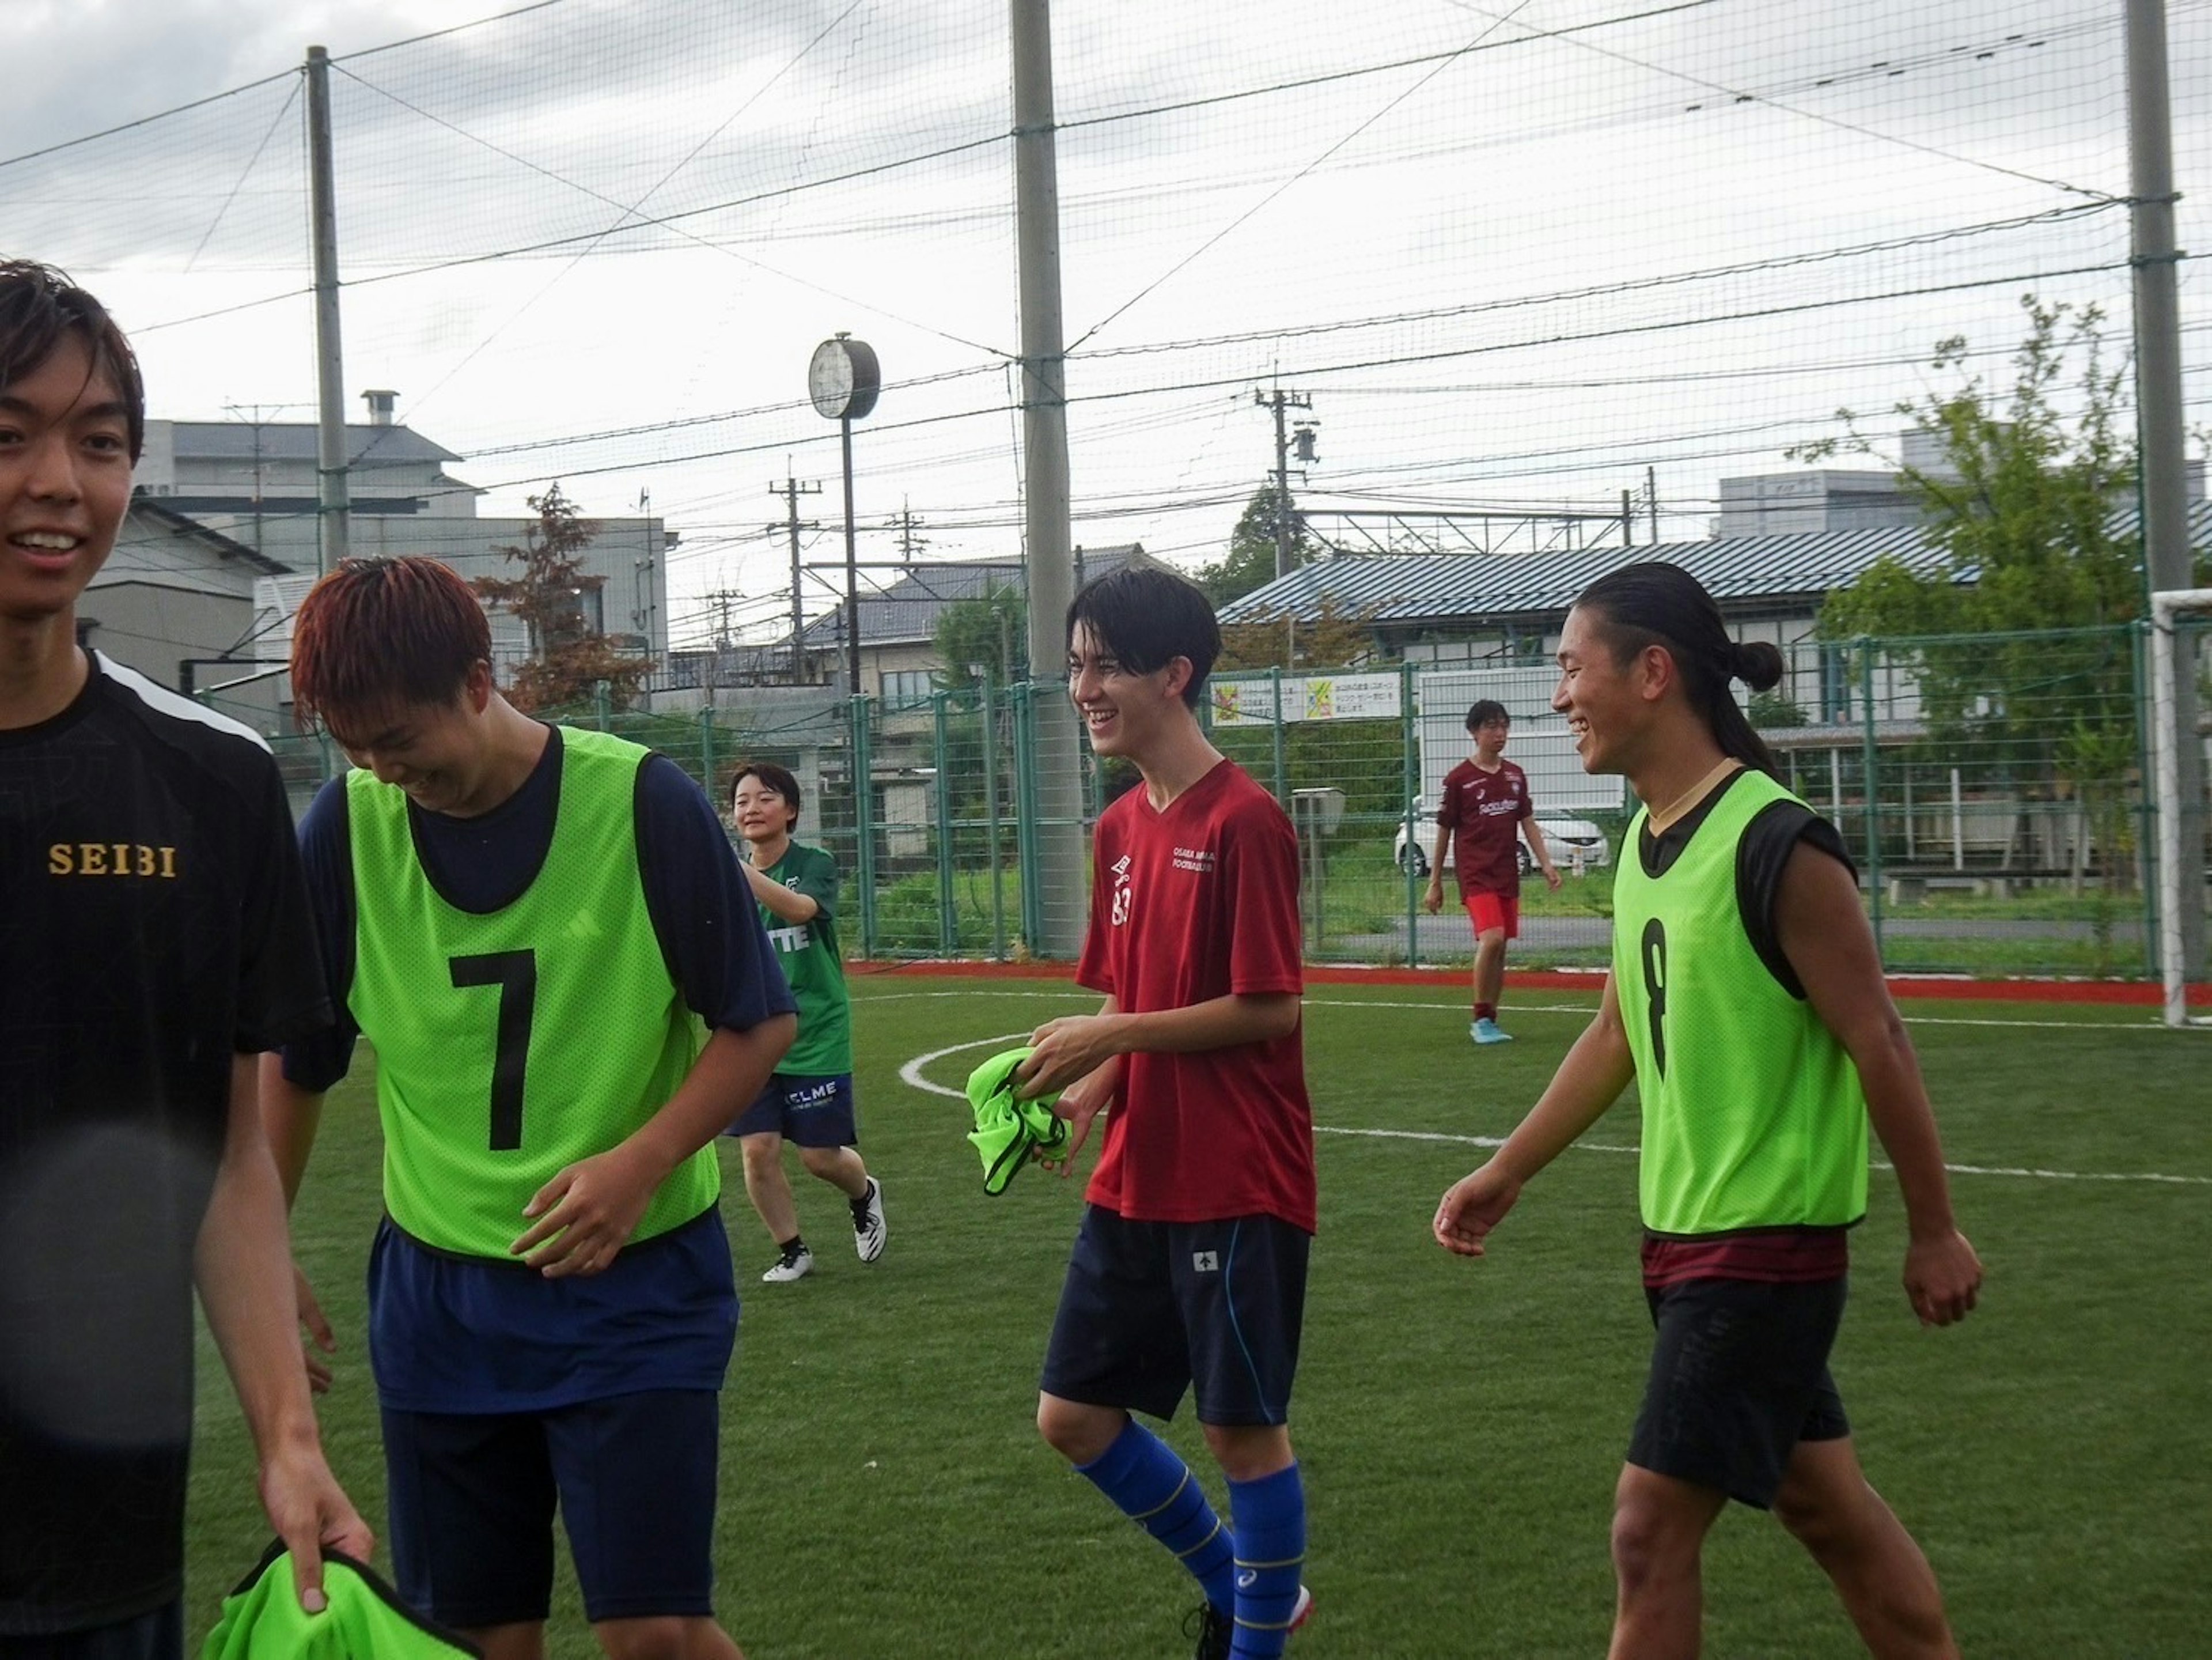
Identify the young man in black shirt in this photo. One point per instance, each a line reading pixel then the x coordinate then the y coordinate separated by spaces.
pixel 154 937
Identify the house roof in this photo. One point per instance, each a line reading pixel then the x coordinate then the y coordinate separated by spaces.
pixel 906 612
pixel 1741 572
pixel 164 548
pixel 296 440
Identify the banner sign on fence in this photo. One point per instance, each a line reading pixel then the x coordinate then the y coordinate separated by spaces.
pixel 1307 697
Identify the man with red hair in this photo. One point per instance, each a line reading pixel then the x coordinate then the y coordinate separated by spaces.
pixel 545 936
pixel 154 936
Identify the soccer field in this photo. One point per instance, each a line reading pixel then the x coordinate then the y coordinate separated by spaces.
pixel 885 1496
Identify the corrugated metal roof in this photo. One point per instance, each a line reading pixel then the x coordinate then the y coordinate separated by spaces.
pixel 906 613
pixel 1413 589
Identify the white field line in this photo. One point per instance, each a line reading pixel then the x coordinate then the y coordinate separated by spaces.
pixel 911 1075
pixel 1582 1009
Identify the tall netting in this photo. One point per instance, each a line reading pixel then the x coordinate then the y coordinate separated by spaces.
pixel 1578 260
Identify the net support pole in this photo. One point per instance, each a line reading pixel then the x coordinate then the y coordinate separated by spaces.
pixel 1057 780
pixel 334 517
pixel 2178 873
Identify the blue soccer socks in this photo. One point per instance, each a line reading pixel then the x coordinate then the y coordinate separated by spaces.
pixel 1143 1475
pixel 1269 1516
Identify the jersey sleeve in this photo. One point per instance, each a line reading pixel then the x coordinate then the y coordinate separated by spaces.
pixel 316 1062
pixel 815 876
pixel 1760 856
pixel 1094 968
pixel 1260 865
pixel 1528 796
pixel 280 993
pixel 702 908
pixel 1447 801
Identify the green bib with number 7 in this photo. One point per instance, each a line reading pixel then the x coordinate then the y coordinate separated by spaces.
pixel 511 1043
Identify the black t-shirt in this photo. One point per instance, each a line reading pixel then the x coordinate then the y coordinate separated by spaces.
pixel 152 924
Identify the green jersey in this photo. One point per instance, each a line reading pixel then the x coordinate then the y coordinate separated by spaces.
pixel 1752 1113
pixel 511 1043
pixel 813 965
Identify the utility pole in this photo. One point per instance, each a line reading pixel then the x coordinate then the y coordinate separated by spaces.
pixel 791 489
pixel 332 544
pixel 911 540
pixel 1279 400
pixel 1056 916
pixel 2167 564
pixel 1651 496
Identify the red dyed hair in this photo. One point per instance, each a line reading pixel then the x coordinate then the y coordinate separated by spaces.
pixel 378 634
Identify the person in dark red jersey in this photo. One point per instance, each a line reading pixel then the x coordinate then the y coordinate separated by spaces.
pixel 1189 1270
pixel 1486 806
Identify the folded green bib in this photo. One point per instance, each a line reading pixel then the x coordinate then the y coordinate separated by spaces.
pixel 1007 1130
pixel 262 1619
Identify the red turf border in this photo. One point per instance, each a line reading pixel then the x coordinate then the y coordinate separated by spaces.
pixel 2140 993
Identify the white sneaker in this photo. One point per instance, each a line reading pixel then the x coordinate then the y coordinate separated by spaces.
pixel 792 1265
pixel 869 1229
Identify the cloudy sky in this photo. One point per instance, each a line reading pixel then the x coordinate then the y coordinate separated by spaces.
pixel 1516 255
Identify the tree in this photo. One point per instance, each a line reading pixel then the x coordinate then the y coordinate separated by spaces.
pixel 570 659
pixel 1251 562
pixel 1273 639
pixel 2023 512
pixel 992 629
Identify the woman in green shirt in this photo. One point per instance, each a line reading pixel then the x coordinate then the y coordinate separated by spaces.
pixel 809 1101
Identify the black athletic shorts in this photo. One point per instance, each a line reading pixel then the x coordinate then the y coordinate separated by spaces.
pixel 1150 1309
pixel 157 1636
pixel 472 1498
pixel 1739 1377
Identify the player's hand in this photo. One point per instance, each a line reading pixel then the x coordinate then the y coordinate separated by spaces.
pixel 309 1510
pixel 317 1326
pixel 1942 1278
pixel 1079 1106
pixel 1472 1206
pixel 1063 1050
pixel 1551 877
pixel 1433 900
pixel 586 1214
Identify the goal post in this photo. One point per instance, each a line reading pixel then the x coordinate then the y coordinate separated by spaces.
pixel 2180 871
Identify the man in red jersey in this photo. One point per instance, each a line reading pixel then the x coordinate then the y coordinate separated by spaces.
pixel 1190 1267
pixel 1485 806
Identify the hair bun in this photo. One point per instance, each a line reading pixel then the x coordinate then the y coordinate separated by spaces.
pixel 1757 663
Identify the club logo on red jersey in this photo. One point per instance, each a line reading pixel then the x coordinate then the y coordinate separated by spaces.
pixel 1122 891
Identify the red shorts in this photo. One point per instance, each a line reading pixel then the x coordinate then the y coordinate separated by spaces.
pixel 1494 910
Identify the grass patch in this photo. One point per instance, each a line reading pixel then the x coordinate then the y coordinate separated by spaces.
pixel 884 1491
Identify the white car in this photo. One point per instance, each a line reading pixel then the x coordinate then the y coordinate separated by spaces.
pixel 1564 834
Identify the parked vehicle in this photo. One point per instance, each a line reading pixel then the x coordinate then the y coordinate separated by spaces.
pixel 1564 834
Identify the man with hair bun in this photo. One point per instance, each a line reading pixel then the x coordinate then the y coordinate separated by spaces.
pixel 544 934
pixel 154 936
pixel 1747 1004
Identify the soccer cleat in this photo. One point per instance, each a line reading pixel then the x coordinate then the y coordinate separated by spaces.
pixel 1486 1030
pixel 794 1264
pixel 1217 1633
pixel 869 1231
pixel 1214 1630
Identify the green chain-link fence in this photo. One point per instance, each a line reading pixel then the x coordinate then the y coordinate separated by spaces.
pixel 1993 790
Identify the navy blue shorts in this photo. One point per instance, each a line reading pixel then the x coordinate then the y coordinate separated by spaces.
pixel 808 1112
pixel 1739 1377
pixel 157 1636
pixel 1150 1309
pixel 472 1498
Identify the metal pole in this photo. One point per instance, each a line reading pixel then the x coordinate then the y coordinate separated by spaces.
pixel 1282 491
pixel 2158 403
pixel 331 545
pixel 989 721
pixel 2178 882
pixel 852 566
pixel 1057 777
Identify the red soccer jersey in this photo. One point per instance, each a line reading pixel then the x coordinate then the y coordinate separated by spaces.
pixel 1195 903
pixel 1484 811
